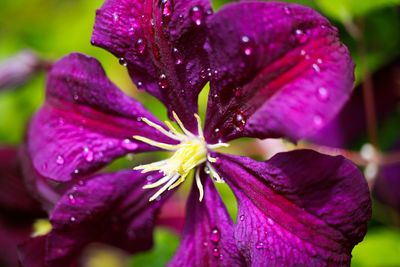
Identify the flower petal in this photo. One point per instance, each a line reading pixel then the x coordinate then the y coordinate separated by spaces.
pixel 86 121
pixel 299 208
pixel 386 96
pixel 108 208
pixel 15 200
pixel 208 236
pixel 161 43
pixel 282 72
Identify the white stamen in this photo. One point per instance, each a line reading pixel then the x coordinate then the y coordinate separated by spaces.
pixel 199 185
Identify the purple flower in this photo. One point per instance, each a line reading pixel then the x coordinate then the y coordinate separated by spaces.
pixel 278 71
pixel 18 210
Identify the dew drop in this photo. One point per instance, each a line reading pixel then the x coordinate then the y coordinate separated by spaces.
pixel 140 46
pixel 247 47
pixel 215 235
pixel 81 183
pixel 205 244
pixel 215 252
pixel 163 81
pixel 241 218
pixel 76 97
pixel 178 56
pixel 301 36
pixel 316 68
pixel 122 61
pixel 128 144
pixel 140 85
pixel 260 245
pixel 287 10
pixel 60 160
pixel 323 94
pixel 88 154
pixel 203 74
pixel 166 9
pixel 115 17
pixel 76 171
pixel 71 198
pixel 239 121
pixel 207 170
pixel 72 219
pixel 318 121
pixel 237 92
pixel 197 15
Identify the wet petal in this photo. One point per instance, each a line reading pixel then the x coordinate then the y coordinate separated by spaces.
pixel 15 200
pixel 300 208
pixel 86 121
pixel 386 86
pixel 109 208
pixel 387 184
pixel 282 73
pixel 161 43
pixel 208 236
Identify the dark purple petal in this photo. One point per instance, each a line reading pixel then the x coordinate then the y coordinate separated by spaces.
pixel 386 86
pixel 208 236
pixel 109 208
pixel 12 233
pixel 300 208
pixel 387 184
pixel 15 200
pixel 282 71
pixel 86 121
pixel 161 43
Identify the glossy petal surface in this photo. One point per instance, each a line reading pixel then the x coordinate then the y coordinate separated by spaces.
pixel 86 121
pixel 208 236
pixel 281 73
pixel 386 86
pixel 109 208
pixel 161 43
pixel 298 209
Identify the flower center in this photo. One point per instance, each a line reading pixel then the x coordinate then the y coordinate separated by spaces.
pixel 191 152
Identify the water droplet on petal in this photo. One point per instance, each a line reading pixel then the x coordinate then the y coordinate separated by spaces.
pixel 76 97
pixel 197 15
pixel 122 61
pixel 215 252
pixel 241 218
pixel 287 10
pixel 72 219
pixel 205 244
pixel 239 121
pixel 129 144
pixel 323 94
pixel 139 85
pixel 88 154
pixel 316 67
pixel 318 121
pixel 166 9
pixel 247 47
pixel 115 17
pixel 60 160
pixel 178 56
pixel 140 46
pixel 301 36
pixel 207 170
pixel 71 198
pixel 260 245
pixel 163 81
pixel 215 235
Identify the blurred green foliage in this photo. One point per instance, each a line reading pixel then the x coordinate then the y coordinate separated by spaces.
pixel 54 28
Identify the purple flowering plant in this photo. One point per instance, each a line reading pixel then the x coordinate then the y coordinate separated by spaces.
pixel 274 69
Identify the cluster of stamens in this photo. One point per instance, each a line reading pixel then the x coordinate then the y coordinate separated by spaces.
pixel 189 154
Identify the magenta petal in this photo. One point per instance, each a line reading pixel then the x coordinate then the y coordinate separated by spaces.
pixel 300 208
pixel 208 236
pixel 109 208
pixel 282 72
pixel 86 121
pixel 161 43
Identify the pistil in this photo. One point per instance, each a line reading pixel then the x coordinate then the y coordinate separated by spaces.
pixel 189 154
